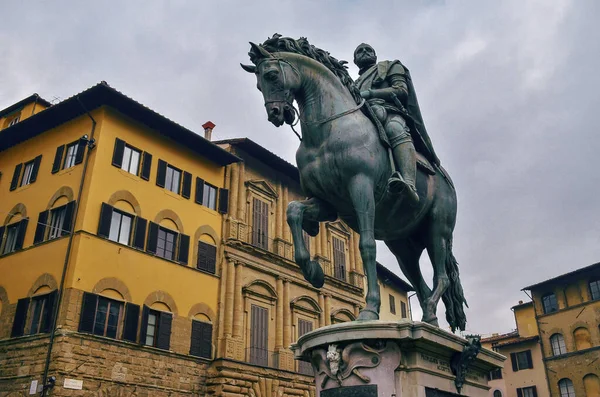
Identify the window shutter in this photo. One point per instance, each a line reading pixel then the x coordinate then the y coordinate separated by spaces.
pixel 199 190
pixel 152 238
pixel 117 159
pixel 49 315
pixel 139 235
pixel 223 201
pixel 36 167
pixel 206 341
pixel 68 222
pixel 513 360
pixel 58 159
pixel 1 234
pixel 40 228
pixel 161 173
pixel 186 191
pixel 88 312
pixel 146 166
pixel 80 151
pixel 20 317
pixel 529 359
pixel 534 390
pixel 211 259
pixel 15 179
pixel 144 326
pixel 184 249
pixel 519 392
pixel 105 219
pixel 164 330
pixel 21 234
pixel 132 315
pixel 202 256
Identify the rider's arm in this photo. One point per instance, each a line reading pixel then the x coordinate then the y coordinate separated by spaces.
pixel 397 87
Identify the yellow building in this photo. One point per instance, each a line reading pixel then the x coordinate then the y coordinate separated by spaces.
pixel 394 295
pixel 111 234
pixel 524 374
pixel 567 311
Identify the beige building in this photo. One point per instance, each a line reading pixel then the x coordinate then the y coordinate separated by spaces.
pixel 567 311
pixel 394 295
pixel 265 303
pixel 523 374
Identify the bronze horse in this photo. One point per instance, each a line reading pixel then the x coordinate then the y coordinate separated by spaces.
pixel 344 168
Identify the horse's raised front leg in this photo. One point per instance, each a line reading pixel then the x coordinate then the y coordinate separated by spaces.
pixel 308 214
pixel 361 193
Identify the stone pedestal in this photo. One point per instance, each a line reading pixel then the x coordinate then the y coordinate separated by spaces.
pixel 392 359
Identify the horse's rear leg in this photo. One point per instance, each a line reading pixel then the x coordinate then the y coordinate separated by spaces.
pixel 438 248
pixel 308 213
pixel 361 193
pixel 407 253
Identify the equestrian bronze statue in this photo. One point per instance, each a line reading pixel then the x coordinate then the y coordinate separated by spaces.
pixel 364 157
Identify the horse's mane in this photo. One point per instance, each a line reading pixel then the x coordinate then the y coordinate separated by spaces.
pixel 277 43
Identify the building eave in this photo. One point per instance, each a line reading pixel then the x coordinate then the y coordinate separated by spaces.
pixel 104 95
pixel 16 106
pixel 595 266
pixel 397 281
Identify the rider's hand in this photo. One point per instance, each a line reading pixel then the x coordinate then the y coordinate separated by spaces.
pixel 366 94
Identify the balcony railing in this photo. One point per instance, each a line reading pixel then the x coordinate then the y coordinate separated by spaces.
pixel 262 357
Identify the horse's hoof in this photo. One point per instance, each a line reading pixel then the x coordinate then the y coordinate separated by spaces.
pixel 431 320
pixel 313 273
pixel 367 314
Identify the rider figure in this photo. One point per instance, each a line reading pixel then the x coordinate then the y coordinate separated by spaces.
pixel 388 89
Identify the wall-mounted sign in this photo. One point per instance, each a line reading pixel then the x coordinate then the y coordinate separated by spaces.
pixel 73 384
pixel 33 387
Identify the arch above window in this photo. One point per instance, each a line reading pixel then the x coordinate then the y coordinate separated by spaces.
pixel 16 213
pixel 583 339
pixel 127 197
pixel 171 216
pixel 342 316
pixel 591 382
pixel 566 388
pixel 65 193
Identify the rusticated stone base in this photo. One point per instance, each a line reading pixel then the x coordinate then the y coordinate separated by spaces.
pixel 383 359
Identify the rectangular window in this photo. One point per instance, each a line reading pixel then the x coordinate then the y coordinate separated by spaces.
pixel 403 310
pixel 39 313
pixel 339 259
pixel 165 245
pixel 156 328
pixel 209 196
pixel 57 220
pixel 259 336
pixel 495 374
pixel 201 343
pixel 12 235
pixel 173 178
pixel 304 327
pixel 521 360
pixel 151 328
pixel 527 392
pixel 120 227
pixel 131 160
pixel 107 318
pixel 549 302
pixel 595 289
pixel 392 304
pixel 27 172
pixel 207 257
pixel 260 224
pixel 71 155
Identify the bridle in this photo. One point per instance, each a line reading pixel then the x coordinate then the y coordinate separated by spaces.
pixel 288 100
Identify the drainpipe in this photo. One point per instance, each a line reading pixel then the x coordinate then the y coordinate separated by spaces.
pixel 537 322
pixel 91 144
pixel 35 104
pixel 409 306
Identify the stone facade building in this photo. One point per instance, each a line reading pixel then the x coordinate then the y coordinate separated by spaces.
pixel 567 311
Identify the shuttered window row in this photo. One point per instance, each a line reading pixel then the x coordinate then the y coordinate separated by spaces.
pixel 34 315
pixel 54 223
pixel 15 235
pixel 25 173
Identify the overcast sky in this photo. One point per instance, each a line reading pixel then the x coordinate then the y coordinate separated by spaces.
pixel 509 91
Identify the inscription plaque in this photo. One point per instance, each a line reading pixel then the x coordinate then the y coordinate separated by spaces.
pixel 351 391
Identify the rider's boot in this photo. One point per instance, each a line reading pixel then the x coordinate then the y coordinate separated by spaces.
pixel 404 182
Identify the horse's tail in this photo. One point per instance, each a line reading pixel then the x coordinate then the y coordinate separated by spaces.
pixel 454 297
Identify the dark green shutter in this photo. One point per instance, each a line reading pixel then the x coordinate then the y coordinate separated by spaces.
pixel 132 316
pixel 146 166
pixel 211 259
pixel 88 312
pixel 49 312
pixel 163 341
pixel 21 233
pixel 184 249
pixel 201 263
pixel 513 360
pixel 161 173
pixel 199 190
pixel 15 179
pixel 2 228
pixel 152 238
pixel 529 359
pixel 139 235
pixel 201 343
pixel 40 228
pixel 68 221
pixel 186 190
pixel 105 219
pixel 144 326
pixel 58 159
pixel 20 317
pixel 36 168
pixel 534 390
pixel 117 159
pixel 81 145
pixel 223 201
pixel 519 392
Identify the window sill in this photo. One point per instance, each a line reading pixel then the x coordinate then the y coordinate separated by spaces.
pixel 172 194
pixel 67 170
pixel 129 175
pixel 24 187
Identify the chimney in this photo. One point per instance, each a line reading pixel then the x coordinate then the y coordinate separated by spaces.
pixel 208 127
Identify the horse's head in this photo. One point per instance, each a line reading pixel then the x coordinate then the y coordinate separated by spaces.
pixel 277 79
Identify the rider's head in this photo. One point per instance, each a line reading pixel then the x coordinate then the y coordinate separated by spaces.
pixel 364 56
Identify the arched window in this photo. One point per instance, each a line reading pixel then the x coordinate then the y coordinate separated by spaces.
pixel 566 388
pixel 592 385
pixel 595 289
pixel 56 221
pixel 549 302
pixel 202 330
pixel 156 325
pixel 583 339
pixel 497 393
pixel 207 254
pixel 558 345
pixel 12 234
